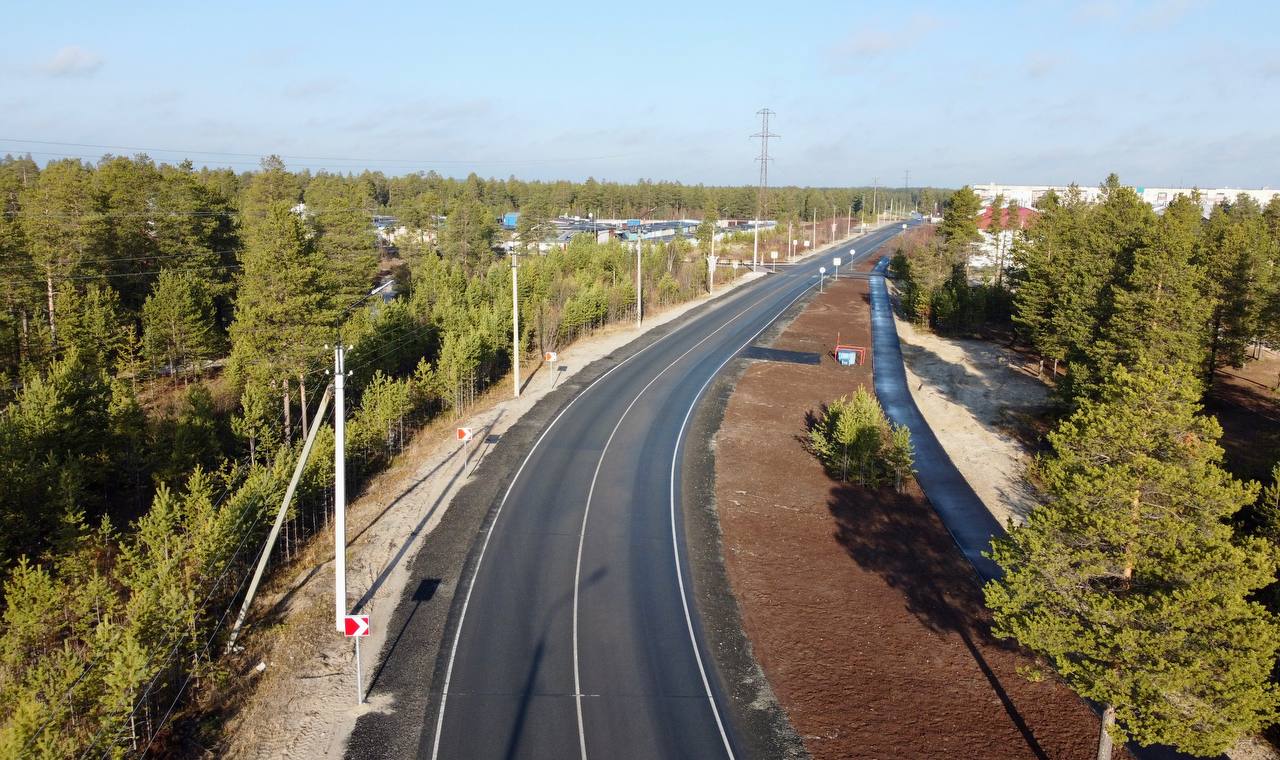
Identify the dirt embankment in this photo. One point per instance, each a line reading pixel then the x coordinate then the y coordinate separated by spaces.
pixel 980 399
pixel 864 616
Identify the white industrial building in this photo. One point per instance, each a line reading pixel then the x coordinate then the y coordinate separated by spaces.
pixel 1157 197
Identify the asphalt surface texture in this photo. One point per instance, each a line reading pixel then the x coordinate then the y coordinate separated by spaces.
pixel 574 625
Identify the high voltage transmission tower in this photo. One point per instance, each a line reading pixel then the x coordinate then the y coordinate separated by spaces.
pixel 763 135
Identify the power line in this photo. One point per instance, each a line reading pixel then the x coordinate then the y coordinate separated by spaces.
pixel 258 156
pixel 155 213
pixel 112 275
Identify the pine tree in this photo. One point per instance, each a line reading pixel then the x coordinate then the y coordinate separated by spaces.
pixel 285 306
pixel 900 455
pixel 959 227
pixel 1158 307
pixel 1238 255
pixel 341 214
pixel 178 322
pixel 468 234
pixel 59 228
pixel 94 323
pixel 1128 581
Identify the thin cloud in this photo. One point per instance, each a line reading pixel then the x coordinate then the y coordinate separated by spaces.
pixel 872 42
pixel 1040 65
pixel 72 61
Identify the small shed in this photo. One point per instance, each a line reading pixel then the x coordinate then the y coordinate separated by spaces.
pixel 849 356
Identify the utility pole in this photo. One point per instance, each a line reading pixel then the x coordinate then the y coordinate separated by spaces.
pixel 763 135
pixel 515 324
pixel 875 193
pixel 639 299
pixel 340 465
pixel 906 184
pixel 814 236
pixel 339 485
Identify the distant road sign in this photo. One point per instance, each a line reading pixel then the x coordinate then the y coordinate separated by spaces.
pixel 550 356
pixel 356 625
pixel 836 261
pixel 464 434
pixel 773 255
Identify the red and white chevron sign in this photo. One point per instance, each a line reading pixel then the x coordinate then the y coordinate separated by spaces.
pixel 356 625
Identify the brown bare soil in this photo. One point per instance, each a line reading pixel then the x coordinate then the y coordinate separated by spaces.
pixel 866 619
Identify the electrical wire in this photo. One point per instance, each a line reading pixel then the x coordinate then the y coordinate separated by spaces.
pixel 259 156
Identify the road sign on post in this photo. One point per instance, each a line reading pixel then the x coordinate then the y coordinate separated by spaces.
pixel 835 263
pixel 464 434
pixel 550 358
pixel 773 256
pixel 357 627
pixel 822 276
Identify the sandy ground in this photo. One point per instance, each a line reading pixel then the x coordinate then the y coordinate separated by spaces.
pixel 303 706
pixel 975 394
pixel 864 616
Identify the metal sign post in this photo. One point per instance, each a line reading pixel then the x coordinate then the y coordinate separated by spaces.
pixel 835 263
pixel 550 358
pixel 357 627
pixel 822 277
pixel 773 257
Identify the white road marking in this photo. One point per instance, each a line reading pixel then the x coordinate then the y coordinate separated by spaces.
pixel 462 615
pixel 582 534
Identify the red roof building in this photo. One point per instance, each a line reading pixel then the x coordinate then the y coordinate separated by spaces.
pixel 1024 218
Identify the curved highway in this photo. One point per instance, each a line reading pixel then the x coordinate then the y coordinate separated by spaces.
pixel 577 635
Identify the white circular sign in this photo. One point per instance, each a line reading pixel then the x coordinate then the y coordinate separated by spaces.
pixel 822 270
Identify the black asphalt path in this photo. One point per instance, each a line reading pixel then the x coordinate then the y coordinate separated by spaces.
pixel 589 521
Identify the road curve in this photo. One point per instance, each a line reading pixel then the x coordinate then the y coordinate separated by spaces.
pixel 575 634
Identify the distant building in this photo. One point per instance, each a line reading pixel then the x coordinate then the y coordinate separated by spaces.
pixel 1157 197
pixel 995 248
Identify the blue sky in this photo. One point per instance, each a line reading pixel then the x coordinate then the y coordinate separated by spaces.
pixel 1171 92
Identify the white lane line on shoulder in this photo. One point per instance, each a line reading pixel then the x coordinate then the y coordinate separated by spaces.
pixel 582 534
pixel 466 602
pixel 675 540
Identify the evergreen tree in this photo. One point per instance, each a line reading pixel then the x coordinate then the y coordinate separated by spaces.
pixel 1158 308
pixel 21 297
pixel 341 214
pixel 59 227
pixel 1128 581
pixel 94 323
pixel 124 190
pixel 177 322
pixel 959 227
pixel 468 234
pixel 1239 255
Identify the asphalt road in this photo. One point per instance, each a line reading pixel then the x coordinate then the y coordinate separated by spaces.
pixel 577 635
